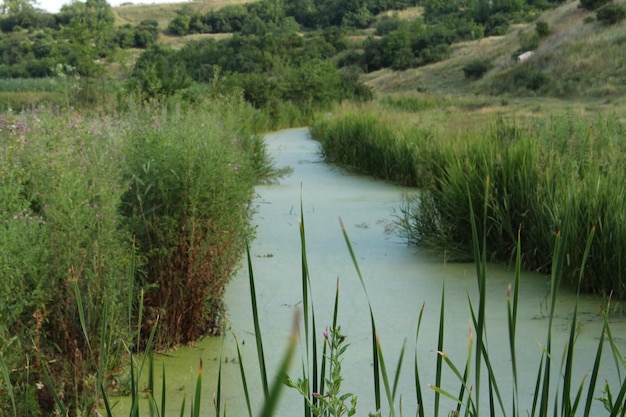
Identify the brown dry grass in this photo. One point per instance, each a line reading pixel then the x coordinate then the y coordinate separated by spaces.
pixel 411 13
pixel 177 42
pixel 164 13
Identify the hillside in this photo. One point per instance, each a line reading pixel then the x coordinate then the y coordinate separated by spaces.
pixel 580 58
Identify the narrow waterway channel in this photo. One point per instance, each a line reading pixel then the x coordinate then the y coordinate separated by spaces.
pixel 399 280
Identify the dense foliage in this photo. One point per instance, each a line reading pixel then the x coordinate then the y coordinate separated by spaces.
pixel 34 43
pixel 95 211
pixel 536 175
pixel 398 45
pixel 268 67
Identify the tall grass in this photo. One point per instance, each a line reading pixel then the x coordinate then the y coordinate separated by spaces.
pixel 190 179
pixel 534 169
pixel 366 144
pixel 82 200
pixel 480 389
pixel 61 186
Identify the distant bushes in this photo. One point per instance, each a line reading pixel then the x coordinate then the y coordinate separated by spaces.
pixel 593 4
pixel 248 63
pixel 535 176
pixel 611 14
pixel 477 68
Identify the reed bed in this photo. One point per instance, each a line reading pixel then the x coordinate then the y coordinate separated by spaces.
pixel 95 211
pixel 537 169
pixel 480 391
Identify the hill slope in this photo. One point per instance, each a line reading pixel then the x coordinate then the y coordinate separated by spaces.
pixel 579 58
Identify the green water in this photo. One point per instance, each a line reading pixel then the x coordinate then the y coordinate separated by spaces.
pixel 399 281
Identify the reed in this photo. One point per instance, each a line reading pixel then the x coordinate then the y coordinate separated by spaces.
pixel 535 168
pixel 479 390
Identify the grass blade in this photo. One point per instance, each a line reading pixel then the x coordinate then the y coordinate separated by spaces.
pixel 311 357
pixel 197 399
pixel 512 322
pixel 218 395
pixel 105 400
pixel 151 383
pixel 257 327
pixel 163 388
pixel 376 366
pixel 594 373
pixel 480 260
pixel 243 378
pixel 385 376
pixel 81 313
pixel 398 368
pixel 418 385
pixel 57 400
pixel 274 394
pixel 5 374
pixel 440 337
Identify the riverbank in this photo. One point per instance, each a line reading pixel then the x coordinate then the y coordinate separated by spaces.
pixel 540 170
pixel 110 226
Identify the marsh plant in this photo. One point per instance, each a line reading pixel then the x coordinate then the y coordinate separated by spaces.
pixel 95 211
pixel 536 170
pixel 331 401
pixel 555 392
pixel 190 182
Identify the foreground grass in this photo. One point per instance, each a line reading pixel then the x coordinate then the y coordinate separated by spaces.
pixel 480 387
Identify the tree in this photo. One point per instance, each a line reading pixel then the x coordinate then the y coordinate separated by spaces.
pixel 20 13
pixel 157 74
pixel 90 37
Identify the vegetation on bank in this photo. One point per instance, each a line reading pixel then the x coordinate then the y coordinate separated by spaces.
pixel 102 212
pixel 538 170
pixel 460 388
pixel 105 212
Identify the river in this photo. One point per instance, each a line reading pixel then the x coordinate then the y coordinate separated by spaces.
pixel 399 280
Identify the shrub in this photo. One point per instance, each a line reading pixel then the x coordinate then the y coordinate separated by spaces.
pixel 611 14
pixel 593 4
pixel 191 175
pixel 387 24
pixel 61 242
pixel 477 68
pixel 529 77
pixel 542 28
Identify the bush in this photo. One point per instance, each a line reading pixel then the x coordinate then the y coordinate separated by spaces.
pixel 387 24
pixel 611 14
pixel 477 68
pixel 191 176
pixel 61 242
pixel 542 28
pixel 593 4
pixel 529 77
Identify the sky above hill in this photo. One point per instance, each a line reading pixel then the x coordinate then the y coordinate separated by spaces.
pixel 53 6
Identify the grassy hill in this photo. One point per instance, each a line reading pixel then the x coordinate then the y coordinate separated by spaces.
pixel 580 59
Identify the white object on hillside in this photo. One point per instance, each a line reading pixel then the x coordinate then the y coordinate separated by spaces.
pixel 525 56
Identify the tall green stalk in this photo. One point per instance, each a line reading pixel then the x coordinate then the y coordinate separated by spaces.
pixel 257 327
pixel 375 350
